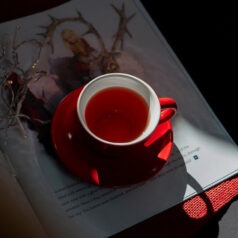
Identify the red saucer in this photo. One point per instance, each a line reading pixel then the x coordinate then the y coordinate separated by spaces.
pixel 127 168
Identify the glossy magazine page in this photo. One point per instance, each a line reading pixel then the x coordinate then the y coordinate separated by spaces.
pixel 40 68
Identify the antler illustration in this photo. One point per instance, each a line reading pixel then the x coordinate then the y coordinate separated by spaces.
pixel 106 58
pixel 122 27
pixel 15 79
pixel 109 62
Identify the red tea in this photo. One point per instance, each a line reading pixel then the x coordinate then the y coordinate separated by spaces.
pixel 117 114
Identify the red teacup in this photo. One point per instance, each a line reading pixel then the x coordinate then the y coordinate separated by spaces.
pixel 119 110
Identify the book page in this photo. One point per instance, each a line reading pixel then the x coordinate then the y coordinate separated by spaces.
pixel 203 153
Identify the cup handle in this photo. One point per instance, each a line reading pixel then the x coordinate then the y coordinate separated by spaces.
pixel 168 108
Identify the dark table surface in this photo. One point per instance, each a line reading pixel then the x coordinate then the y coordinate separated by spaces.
pixel 205 39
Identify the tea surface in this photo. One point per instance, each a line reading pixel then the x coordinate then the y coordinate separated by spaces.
pixel 117 114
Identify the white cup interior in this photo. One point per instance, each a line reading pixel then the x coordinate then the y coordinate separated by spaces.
pixel 120 80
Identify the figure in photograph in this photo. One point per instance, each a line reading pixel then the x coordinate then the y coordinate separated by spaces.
pixel 79 69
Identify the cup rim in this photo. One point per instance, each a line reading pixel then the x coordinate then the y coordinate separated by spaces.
pixel 144 135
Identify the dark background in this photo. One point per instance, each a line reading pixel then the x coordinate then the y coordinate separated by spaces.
pixel 205 39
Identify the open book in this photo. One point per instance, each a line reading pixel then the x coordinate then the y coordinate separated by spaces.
pixel 37 56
